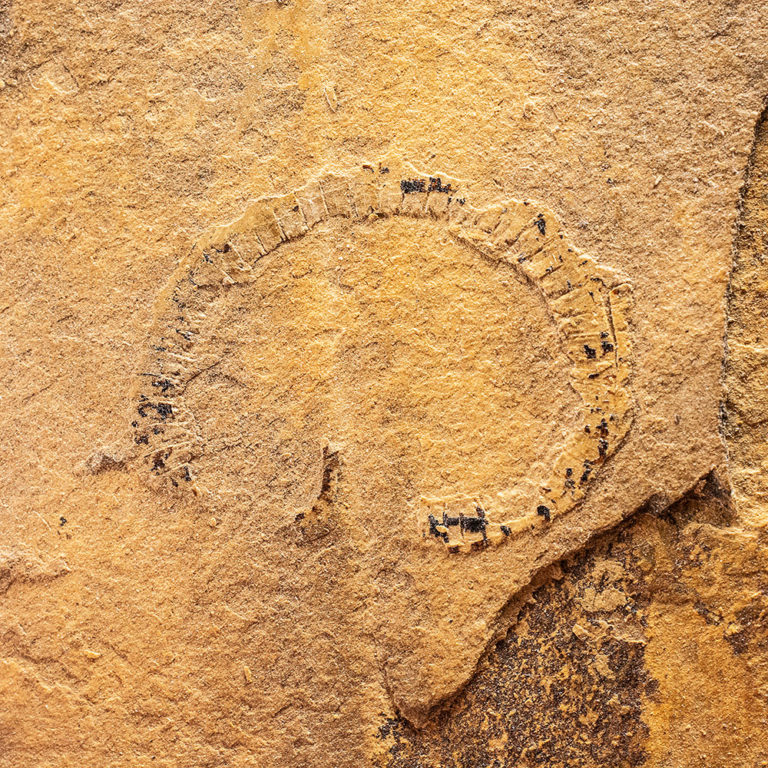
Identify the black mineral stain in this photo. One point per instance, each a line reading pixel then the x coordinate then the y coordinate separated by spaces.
pixel 410 186
pixel 163 384
pixel 163 410
pixel 434 531
pixel 436 185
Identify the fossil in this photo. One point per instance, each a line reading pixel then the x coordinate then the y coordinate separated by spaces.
pixel 587 304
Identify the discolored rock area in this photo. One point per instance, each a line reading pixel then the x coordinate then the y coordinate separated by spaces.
pixel 650 648
pixel 565 688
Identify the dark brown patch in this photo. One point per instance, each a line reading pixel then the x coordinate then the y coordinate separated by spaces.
pixel 560 690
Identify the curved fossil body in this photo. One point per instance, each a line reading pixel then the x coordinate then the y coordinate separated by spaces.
pixel 588 305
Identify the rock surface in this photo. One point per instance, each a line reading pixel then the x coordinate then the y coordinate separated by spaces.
pixel 365 393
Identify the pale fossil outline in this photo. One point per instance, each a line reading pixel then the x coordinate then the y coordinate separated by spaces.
pixel 588 304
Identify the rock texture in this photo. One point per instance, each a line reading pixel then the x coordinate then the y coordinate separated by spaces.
pixel 633 653
pixel 365 395
pixel 745 424
pixel 422 413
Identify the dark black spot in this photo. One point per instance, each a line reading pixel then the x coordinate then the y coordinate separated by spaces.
pixel 388 727
pixel 436 185
pixel 163 384
pixel 157 462
pixel 473 524
pixel 544 512
pixel 62 521
pixel 411 186
pixel 589 352
pixel 541 224
pixel 163 410
pixel 607 346
pixel 505 530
